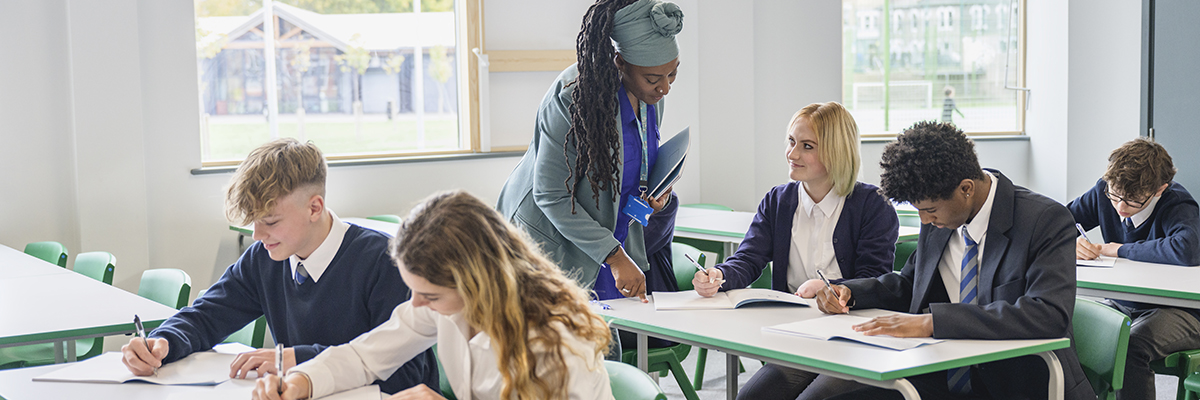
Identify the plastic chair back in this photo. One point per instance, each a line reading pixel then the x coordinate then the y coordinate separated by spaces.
pixel 98 265
pixel 1101 340
pixel 395 219
pixel 707 206
pixel 167 286
pixel 253 334
pixel 51 252
pixel 764 280
pixel 631 383
pixel 684 270
pixel 903 251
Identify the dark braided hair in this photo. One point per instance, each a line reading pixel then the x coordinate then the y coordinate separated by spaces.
pixel 594 104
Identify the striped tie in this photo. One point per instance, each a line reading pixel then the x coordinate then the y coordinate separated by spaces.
pixel 959 379
pixel 301 274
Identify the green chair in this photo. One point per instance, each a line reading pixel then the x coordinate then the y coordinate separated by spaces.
pixel 903 251
pixel 1183 364
pixel 909 218
pixel 167 286
pixel 395 219
pixel 1101 340
pixel 630 383
pixel 1190 386
pixel 253 334
pixel 52 252
pixel 666 359
pixel 707 206
pixel 98 265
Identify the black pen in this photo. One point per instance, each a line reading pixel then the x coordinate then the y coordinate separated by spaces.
pixel 141 331
pixel 279 364
pixel 828 286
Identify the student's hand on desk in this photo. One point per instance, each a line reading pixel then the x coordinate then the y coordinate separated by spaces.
pixel 1085 250
pixel 629 278
pixel 295 387
pixel 140 360
pixel 830 304
pixel 660 202
pixel 261 360
pixel 810 288
pixel 419 392
pixel 898 325
pixel 708 284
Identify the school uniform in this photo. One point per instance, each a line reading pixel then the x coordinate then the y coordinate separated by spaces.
pixel 1163 232
pixel 469 361
pixel 851 236
pixel 348 286
pixel 1020 285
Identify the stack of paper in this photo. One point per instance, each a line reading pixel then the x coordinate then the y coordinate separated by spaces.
pixel 839 327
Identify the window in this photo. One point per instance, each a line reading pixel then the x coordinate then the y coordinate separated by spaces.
pixel 897 21
pixel 361 79
pixel 894 79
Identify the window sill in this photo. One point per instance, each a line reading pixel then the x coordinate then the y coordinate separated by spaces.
pixel 382 161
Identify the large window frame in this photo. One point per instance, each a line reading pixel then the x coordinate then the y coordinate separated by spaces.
pixel 1016 12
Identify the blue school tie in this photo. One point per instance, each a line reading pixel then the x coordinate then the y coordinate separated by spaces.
pixel 301 274
pixel 959 379
pixel 1130 235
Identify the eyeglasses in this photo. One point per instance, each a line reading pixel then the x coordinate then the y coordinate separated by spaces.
pixel 1118 199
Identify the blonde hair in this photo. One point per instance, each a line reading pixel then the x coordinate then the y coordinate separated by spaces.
pixel 273 171
pixel 510 290
pixel 837 142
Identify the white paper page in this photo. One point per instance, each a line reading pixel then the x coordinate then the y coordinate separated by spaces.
pixel 234 348
pixel 690 300
pixel 205 369
pixel 839 326
pixel 1102 262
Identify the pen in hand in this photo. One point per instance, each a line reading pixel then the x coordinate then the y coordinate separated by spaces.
pixel 701 268
pixel 141 332
pixel 279 364
pixel 828 286
pixel 1082 232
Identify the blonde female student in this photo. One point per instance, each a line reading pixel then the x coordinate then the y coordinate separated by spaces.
pixel 823 220
pixel 507 322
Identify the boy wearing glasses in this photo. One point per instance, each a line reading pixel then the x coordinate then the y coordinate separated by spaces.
pixel 1144 216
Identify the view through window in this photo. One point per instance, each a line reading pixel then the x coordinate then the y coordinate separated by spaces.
pixel 913 60
pixel 356 77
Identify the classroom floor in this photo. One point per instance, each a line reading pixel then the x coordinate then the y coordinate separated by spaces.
pixel 714 378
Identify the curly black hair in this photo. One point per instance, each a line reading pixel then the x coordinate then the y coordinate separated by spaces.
pixel 927 162
pixel 594 132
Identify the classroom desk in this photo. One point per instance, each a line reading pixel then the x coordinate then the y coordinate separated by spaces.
pixel 1169 285
pixel 58 307
pixel 18 384
pixel 16 264
pixel 722 231
pixel 739 333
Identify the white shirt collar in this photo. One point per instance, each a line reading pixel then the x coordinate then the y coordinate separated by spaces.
pixel 1144 215
pixel 828 204
pixel 319 260
pixel 979 225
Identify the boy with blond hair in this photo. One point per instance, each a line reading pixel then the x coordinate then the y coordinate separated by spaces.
pixel 318 280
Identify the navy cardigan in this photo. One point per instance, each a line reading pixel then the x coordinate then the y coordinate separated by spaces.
pixel 864 240
pixel 1169 236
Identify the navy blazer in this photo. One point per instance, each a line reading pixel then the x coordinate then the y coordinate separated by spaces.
pixel 1026 290
pixel 864 240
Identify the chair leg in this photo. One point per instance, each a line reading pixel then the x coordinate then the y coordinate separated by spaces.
pixel 682 380
pixel 702 359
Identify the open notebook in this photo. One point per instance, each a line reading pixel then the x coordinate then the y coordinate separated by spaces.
pixel 839 327
pixel 1102 262
pixel 198 369
pixel 690 300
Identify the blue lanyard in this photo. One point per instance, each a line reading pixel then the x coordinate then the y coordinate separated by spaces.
pixel 644 183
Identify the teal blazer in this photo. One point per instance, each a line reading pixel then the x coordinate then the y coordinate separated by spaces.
pixel 535 197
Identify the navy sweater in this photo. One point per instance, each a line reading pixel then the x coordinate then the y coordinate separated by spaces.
pixel 357 292
pixel 1168 237
pixel 864 240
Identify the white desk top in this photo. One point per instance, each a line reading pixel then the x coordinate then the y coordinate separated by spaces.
pixel 740 332
pixel 1141 281
pixel 42 308
pixel 731 226
pixel 16 264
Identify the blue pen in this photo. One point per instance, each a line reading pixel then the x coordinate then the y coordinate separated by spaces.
pixel 1082 232
pixel 828 286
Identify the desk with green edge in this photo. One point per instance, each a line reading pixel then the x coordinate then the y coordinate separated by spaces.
pixel 721 232
pixel 1162 284
pixel 739 333
pixel 44 303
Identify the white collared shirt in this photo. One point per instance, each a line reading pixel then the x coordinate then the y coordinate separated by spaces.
pixel 470 362
pixel 812 239
pixel 1144 215
pixel 951 264
pixel 319 260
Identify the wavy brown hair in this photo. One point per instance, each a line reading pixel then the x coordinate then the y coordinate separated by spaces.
pixel 1138 168
pixel 273 171
pixel 511 291
pixel 594 130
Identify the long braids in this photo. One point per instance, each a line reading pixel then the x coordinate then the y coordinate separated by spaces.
pixel 594 104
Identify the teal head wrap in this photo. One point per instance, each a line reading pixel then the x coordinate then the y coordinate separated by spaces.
pixel 644 32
